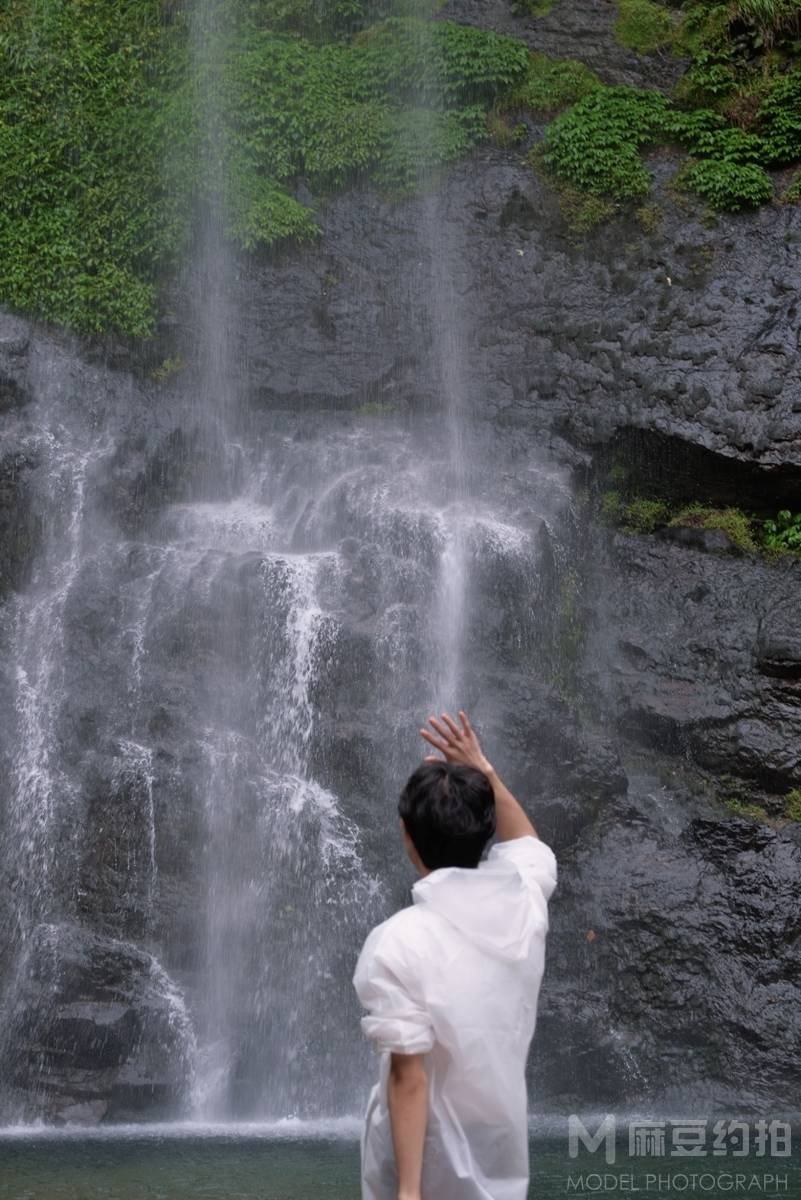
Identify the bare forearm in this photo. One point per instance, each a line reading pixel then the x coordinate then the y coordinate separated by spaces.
pixel 407 1095
pixel 510 819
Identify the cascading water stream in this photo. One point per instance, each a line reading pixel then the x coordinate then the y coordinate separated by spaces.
pixel 227 715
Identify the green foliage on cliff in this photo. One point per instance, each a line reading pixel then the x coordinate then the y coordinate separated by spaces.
pixel 736 110
pixel 732 521
pixel 642 25
pixel 728 185
pixel 595 145
pixel 119 123
pixel 83 129
pixel 550 84
pixel 784 534
pixel 625 508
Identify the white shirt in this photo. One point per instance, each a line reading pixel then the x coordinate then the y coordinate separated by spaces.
pixel 456 977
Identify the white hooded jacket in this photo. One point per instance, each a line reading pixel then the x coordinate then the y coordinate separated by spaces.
pixel 456 977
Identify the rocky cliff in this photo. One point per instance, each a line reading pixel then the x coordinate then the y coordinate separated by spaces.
pixel 664 683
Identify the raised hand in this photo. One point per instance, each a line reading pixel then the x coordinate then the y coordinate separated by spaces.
pixel 455 744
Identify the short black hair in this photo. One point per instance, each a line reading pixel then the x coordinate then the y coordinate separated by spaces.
pixel 449 813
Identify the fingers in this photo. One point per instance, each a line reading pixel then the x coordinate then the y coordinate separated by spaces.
pixel 441 730
pixel 435 742
pixel 468 728
pixel 452 726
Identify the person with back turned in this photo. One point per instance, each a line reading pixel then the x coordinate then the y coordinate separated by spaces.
pixel 450 985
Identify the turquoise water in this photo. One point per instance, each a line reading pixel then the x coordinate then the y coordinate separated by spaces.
pixel 253 1164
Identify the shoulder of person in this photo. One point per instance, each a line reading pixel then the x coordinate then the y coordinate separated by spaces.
pixel 399 938
pixel 530 856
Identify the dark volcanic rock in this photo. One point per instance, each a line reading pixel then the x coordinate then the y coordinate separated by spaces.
pixel 659 985
pixel 673 334
pixel 697 652
pixel 98 1030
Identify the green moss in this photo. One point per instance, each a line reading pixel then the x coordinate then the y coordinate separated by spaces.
pixel 534 8
pixel 550 84
pixel 642 25
pixel 571 632
pixel 638 514
pixel 743 809
pixel 613 507
pixel 503 132
pixel 622 507
pixel 792 803
pixel 792 193
pixel 732 521
pixel 170 367
pixel 650 217
pixel 644 516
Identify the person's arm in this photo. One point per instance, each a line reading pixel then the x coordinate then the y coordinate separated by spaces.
pixel 407 1096
pixel 462 746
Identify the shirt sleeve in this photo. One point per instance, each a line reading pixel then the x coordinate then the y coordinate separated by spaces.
pixel 534 860
pixel 397 1019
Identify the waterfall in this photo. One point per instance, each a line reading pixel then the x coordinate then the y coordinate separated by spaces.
pixel 218 701
pixel 43 801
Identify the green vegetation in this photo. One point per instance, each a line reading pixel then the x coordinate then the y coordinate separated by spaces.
pixel 623 507
pixel 103 157
pixel 106 160
pixel 650 218
pixel 735 795
pixel 643 25
pixel 503 132
pixel 792 805
pixel 595 145
pixel 167 369
pixel 636 513
pixel 731 521
pixel 746 809
pixel 783 534
pixel 534 8
pixel 550 84
pixel 83 132
pixel 736 111
pixel 644 516
pixel 792 194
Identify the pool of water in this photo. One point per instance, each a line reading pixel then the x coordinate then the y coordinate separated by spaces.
pixel 299 1163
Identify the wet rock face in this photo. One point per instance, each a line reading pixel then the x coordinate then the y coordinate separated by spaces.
pixel 98 1031
pixel 691 333
pixel 684 940
pixel 697 650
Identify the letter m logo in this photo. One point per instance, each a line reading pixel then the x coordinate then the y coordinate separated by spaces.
pixel 579 1134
